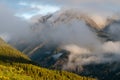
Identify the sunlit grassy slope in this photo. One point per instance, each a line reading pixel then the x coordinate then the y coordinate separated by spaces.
pixel 14 65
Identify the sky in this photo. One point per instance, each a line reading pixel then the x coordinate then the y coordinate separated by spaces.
pixel 16 12
pixel 28 8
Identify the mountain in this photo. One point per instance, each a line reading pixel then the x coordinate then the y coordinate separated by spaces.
pixel 65 16
pixel 64 27
pixel 16 65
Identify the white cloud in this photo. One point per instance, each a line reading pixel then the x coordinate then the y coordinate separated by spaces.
pixel 95 6
pixel 49 6
pixel 5 36
pixel 35 9
pixel 9 24
pixel 23 3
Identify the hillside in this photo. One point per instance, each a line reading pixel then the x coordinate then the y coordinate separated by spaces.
pixel 14 65
pixel 9 54
pixel 84 30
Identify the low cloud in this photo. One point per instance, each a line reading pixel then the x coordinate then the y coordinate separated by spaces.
pixel 74 35
pixel 11 25
pixel 107 53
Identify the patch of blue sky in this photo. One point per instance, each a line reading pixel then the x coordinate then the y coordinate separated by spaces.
pixel 33 9
pixel 26 9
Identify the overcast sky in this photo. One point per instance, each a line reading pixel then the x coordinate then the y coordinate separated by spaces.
pixel 15 13
pixel 28 8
